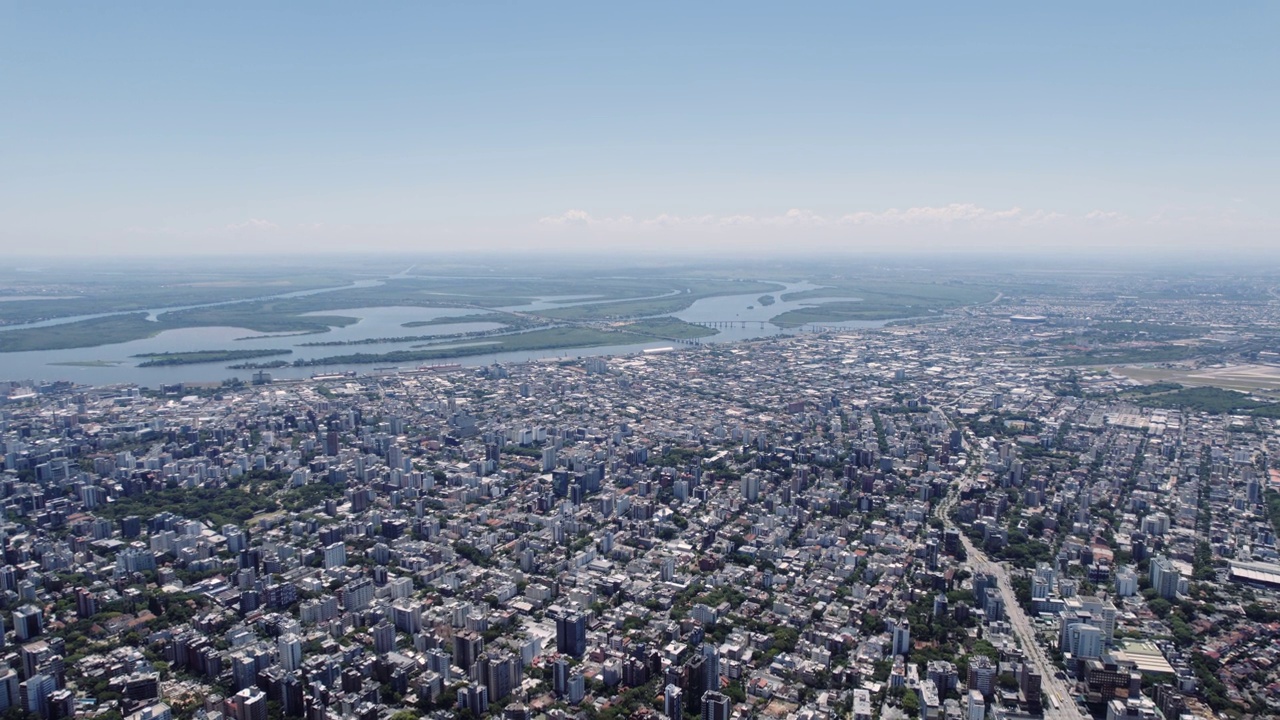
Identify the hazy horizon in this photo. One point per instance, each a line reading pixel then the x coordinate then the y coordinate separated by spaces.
pixel 743 129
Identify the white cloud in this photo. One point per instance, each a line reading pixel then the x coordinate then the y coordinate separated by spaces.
pixel 569 217
pixel 946 228
pixel 253 224
pixel 967 214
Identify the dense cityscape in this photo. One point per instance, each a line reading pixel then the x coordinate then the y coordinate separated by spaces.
pixel 972 517
pixel 724 360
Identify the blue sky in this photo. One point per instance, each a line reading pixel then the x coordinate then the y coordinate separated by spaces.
pixel 143 127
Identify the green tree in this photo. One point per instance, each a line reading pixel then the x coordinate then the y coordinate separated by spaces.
pixel 910 702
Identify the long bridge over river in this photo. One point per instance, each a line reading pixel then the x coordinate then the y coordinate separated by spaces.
pixel 764 325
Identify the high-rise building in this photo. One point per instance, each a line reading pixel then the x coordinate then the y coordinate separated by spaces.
pixel 977 709
pixel 902 637
pixel 1091 609
pixel 290 649
pixel 560 677
pixel 1081 640
pixel 467 646
pixel 577 688
pixel 86 603
pixel 28 622
pixel 571 634
pixel 693 680
pixel 384 639
pixel 474 698
pixel 673 702
pixel 1164 577
pixel 335 556
pixel 1126 582
pixel 502 673
pixel 982 675
pixel 357 594
pixel 711 667
pixel 10 691
pixel 248 704
pixel 35 694
pixel 715 706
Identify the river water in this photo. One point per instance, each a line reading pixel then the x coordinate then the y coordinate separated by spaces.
pixel 736 317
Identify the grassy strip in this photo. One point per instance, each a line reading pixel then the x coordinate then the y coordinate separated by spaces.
pixel 549 339
pixel 498 317
pixel 204 356
pixel 1171 353
pixel 668 328
pixel 879 301
pixel 835 312
pixel 89 363
pixel 910 294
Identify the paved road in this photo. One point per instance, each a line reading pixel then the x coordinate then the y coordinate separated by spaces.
pixel 1052 688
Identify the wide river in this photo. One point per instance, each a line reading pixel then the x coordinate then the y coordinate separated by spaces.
pixel 738 317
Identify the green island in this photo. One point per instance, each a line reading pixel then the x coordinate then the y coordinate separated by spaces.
pixel 496 317
pixel 766 300
pixel 488 342
pixel 381 340
pixel 668 328
pixel 113 329
pixel 879 300
pixel 80 334
pixel 646 307
pixel 835 312
pixel 204 356
pixel 89 363
pixel 548 339
pixel 269 365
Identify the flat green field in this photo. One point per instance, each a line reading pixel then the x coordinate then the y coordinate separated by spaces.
pixel 1128 356
pixel 879 300
pixel 835 312
pixel 909 293
pixel 106 294
pixel 668 328
pixel 1262 379
pixel 549 339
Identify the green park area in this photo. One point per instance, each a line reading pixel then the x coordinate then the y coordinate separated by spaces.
pixel 1209 400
